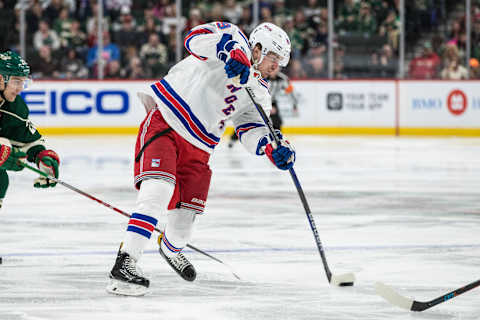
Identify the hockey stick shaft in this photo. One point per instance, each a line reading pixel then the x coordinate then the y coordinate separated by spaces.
pixel 297 185
pixel 83 193
pixel 420 306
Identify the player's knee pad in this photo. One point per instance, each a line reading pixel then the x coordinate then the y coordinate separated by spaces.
pixel 180 224
pixel 154 196
pixel 181 218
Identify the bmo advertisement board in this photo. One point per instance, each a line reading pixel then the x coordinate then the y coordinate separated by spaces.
pixel 439 104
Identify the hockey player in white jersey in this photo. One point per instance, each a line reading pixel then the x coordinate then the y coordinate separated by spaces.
pixel 188 110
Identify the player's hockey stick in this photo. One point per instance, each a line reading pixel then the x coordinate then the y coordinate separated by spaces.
pixel 83 193
pixel 395 298
pixel 346 279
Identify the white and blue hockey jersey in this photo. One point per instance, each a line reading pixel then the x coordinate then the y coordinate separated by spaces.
pixel 196 97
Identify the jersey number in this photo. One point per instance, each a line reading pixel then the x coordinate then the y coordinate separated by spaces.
pixel 223 25
pixel 229 100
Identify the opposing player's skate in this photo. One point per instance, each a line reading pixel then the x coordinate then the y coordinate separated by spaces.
pixel 126 278
pixel 178 263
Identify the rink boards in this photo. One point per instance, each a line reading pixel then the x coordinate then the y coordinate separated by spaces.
pixel 385 107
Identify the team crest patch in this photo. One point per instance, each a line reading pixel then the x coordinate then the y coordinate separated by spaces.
pixel 155 163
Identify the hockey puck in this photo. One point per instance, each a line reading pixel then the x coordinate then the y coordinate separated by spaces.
pixel 346 284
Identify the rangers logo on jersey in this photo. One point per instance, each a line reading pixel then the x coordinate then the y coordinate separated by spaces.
pixel 155 163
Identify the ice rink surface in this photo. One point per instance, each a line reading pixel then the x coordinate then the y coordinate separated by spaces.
pixel 404 211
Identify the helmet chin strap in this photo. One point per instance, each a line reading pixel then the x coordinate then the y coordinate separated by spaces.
pixel 6 78
pixel 5 81
pixel 2 97
pixel 257 62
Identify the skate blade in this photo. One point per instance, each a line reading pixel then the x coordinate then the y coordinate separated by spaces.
pixel 125 289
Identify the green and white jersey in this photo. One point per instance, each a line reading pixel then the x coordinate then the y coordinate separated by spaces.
pixel 16 127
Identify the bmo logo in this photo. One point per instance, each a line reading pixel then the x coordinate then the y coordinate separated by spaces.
pixel 457 102
pixel 76 102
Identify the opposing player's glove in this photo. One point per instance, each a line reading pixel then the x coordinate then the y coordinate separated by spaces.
pixel 236 61
pixel 47 161
pixel 10 157
pixel 282 156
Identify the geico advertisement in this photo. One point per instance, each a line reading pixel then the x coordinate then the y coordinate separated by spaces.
pixel 452 104
pixel 85 103
pixel 344 104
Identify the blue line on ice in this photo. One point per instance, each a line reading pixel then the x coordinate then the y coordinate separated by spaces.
pixel 254 250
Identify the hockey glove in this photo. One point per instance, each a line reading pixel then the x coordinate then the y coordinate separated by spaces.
pixel 48 162
pixel 10 157
pixel 236 61
pixel 238 65
pixel 282 156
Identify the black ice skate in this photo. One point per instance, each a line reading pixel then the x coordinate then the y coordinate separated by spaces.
pixel 126 278
pixel 179 263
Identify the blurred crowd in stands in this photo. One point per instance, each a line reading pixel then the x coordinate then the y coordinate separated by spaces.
pixel 139 36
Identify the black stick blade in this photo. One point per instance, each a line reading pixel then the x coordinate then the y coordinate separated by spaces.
pixel 343 280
